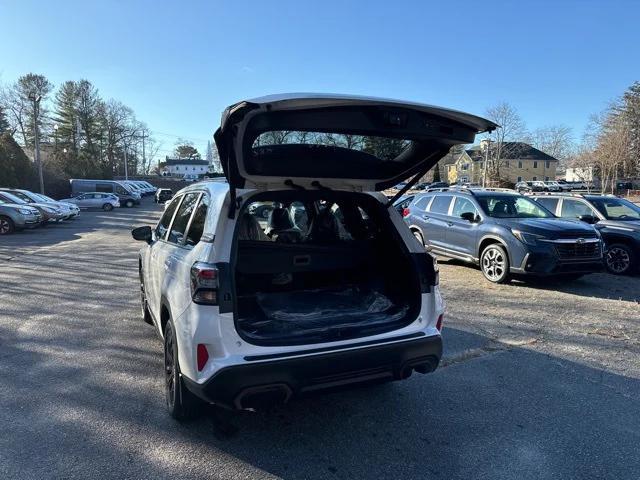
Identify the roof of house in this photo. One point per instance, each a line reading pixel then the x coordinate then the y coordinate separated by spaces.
pixel 513 150
pixel 185 161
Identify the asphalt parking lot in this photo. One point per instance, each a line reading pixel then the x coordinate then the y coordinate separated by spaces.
pixel 539 380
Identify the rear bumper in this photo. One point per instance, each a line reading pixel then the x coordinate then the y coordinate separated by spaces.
pixel 250 384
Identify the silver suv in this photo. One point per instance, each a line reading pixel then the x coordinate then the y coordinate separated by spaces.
pixel 330 288
pixel 17 217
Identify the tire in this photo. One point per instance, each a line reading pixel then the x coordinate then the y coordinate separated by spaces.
pixel 494 263
pixel 6 226
pixel 107 207
pixel 128 203
pixel 619 259
pixel 418 236
pixel 181 403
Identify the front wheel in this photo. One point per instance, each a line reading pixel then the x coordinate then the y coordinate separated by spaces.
pixel 619 259
pixel 181 403
pixel 494 263
pixel 128 203
pixel 6 226
pixel 107 207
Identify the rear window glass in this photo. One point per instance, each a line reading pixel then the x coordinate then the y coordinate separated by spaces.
pixel 441 204
pixel 380 147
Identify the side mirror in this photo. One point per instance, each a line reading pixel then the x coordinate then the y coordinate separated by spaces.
pixel 468 216
pixel 143 234
pixel 588 219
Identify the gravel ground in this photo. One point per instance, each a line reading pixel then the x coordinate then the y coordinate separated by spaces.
pixel 538 381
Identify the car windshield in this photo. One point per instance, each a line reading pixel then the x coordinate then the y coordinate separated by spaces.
pixel 22 196
pixel 617 209
pixel 44 197
pixel 511 206
pixel 12 198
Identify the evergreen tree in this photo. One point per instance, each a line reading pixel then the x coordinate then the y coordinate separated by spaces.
pixel 15 168
pixel 4 123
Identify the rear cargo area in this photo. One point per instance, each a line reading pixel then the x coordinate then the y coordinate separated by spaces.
pixel 319 268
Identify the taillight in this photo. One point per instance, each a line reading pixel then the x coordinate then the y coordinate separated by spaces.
pixel 439 322
pixel 202 356
pixel 204 283
pixel 405 212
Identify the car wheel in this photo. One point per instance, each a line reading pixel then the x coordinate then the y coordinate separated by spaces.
pixel 494 263
pixel 181 403
pixel 146 315
pixel 6 226
pixel 129 203
pixel 619 259
pixel 107 207
pixel 418 236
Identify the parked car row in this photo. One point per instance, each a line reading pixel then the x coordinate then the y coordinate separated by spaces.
pixel 129 192
pixel 20 209
pixel 508 234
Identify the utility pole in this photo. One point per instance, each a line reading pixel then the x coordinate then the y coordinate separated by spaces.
pixel 486 161
pixel 126 169
pixel 36 107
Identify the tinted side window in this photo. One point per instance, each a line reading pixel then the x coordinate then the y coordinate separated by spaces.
pixel 197 224
pixel 463 205
pixel 422 203
pixel 548 203
pixel 440 204
pixel 104 187
pixel 181 220
pixel 163 225
pixel 574 208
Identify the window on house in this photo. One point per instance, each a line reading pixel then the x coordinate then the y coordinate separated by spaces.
pixel 534 178
pixel 519 164
pixel 465 166
pixel 548 164
pixel 519 179
pixel 546 179
pixel 535 164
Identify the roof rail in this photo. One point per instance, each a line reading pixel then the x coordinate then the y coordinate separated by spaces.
pixel 495 189
pixel 450 189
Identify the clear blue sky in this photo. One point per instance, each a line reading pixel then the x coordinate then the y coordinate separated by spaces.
pixel 178 64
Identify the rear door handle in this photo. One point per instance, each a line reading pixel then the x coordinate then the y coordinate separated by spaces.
pixel 425 217
pixel 450 224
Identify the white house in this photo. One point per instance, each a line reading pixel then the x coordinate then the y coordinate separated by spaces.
pixel 179 167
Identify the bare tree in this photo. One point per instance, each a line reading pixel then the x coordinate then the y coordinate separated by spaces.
pixel 511 129
pixel 554 140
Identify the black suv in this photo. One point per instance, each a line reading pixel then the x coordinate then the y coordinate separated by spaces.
pixel 503 232
pixel 617 220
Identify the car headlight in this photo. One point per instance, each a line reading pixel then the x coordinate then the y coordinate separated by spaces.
pixel 25 211
pixel 49 209
pixel 527 238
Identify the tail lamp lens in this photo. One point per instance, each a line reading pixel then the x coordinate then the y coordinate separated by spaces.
pixel 202 356
pixel 405 212
pixel 204 283
pixel 439 322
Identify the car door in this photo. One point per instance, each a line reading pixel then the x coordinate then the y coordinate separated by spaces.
pixel 185 233
pixel 83 200
pixel 438 221
pixel 159 250
pixel 462 234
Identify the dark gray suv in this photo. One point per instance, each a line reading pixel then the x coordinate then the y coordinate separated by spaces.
pixel 617 220
pixel 503 232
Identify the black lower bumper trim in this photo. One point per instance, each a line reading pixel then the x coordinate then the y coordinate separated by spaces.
pixel 243 386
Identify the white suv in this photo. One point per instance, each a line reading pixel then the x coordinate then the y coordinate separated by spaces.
pixel 330 288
